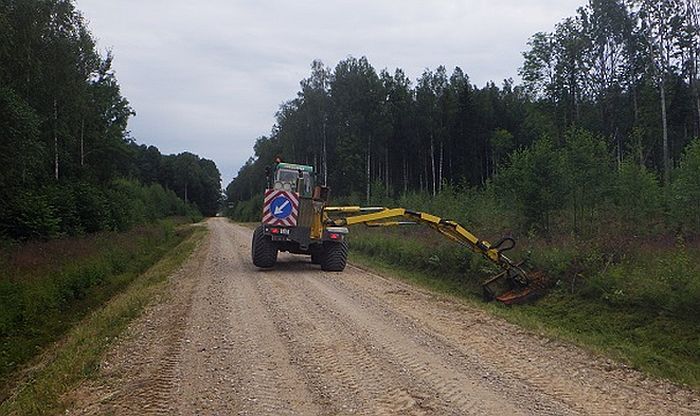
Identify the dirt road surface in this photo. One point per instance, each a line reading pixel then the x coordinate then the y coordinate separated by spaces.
pixel 230 339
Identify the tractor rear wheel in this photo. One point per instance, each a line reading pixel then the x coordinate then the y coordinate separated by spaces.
pixel 335 256
pixel 317 256
pixel 264 251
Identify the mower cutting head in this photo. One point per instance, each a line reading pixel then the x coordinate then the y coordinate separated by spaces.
pixel 516 285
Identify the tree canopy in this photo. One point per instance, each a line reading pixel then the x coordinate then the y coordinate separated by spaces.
pixel 63 119
pixel 612 94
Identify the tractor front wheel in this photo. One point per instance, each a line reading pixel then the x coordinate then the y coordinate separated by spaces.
pixel 264 251
pixel 335 256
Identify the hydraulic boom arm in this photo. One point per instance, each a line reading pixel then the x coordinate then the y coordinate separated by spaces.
pixel 520 281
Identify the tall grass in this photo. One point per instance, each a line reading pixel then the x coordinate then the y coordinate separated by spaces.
pixel 46 287
pixel 44 386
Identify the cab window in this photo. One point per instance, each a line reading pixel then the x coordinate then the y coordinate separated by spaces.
pixel 286 179
pixel 287 176
pixel 306 192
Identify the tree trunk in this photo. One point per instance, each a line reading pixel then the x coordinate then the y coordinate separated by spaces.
pixel 635 104
pixel 432 161
pixel 442 156
pixel 449 164
pixel 55 154
pixel 82 143
pixel 618 142
pixel 369 161
pixel 667 162
pixel 697 105
pixel 405 175
pixel 575 211
pixel 55 138
pixel 387 182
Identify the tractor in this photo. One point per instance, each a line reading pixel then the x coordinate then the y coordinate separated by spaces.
pixel 292 220
pixel 296 218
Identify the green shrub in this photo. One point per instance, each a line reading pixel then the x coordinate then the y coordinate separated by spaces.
pixel 77 207
pixel 127 204
pixel 93 207
pixel 28 214
pixel 588 175
pixel 247 211
pixel 685 204
pixel 533 184
pixel 638 197
pixel 62 199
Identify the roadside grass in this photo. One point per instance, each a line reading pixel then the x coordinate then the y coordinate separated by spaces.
pixel 641 308
pixel 83 326
pixel 48 286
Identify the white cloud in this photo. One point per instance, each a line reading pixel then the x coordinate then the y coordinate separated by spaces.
pixel 208 76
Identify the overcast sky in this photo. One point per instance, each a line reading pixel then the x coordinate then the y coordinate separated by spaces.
pixel 207 76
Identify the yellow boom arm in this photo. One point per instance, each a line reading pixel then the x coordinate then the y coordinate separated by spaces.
pixel 379 216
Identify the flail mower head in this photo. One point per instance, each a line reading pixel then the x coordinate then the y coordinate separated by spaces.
pixel 517 284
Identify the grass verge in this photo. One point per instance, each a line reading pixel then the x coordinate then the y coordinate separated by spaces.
pixel 645 336
pixel 47 287
pixel 77 355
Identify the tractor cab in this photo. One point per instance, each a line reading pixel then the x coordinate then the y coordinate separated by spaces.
pixel 293 178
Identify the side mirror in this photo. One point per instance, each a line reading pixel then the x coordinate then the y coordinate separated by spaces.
pixel 324 193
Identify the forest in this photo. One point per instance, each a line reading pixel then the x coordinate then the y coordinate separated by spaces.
pixel 603 126
pixel 68 163
pixel 591 161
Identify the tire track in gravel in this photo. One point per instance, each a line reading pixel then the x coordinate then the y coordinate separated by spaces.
pixel 251 366
pixel 446 387
pixel 579 380
pixel 344 373
pixel 208 349
pixel 389 381
pixel 469 384
pixel 228 339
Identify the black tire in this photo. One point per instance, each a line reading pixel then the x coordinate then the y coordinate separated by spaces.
pixel 264 251
pixel 317 256
pixel 335 256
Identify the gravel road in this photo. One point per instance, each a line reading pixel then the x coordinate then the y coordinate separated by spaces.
pixel 230 339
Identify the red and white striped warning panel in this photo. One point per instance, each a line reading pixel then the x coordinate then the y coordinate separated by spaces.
pixel 280 208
